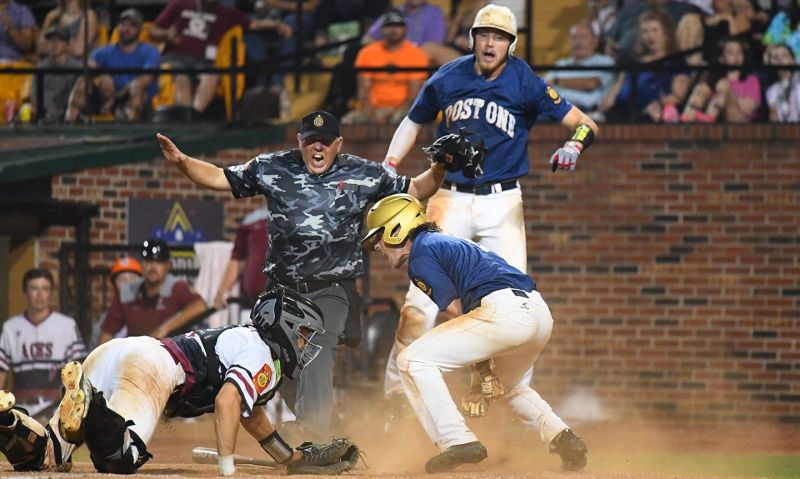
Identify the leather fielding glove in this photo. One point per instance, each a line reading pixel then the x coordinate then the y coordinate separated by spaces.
pixel 484 386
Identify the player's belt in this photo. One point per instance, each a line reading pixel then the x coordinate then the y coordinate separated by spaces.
pixel 486 189
pixel 310 286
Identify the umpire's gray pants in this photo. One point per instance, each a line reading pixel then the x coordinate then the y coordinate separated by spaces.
pixel 314 404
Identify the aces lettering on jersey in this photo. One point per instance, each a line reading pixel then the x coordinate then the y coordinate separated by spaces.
pixel 473 109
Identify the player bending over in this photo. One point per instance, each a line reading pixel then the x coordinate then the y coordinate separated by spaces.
pixel 113 400
pixel 504 319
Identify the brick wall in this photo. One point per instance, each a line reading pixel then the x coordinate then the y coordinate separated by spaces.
pixel 670 260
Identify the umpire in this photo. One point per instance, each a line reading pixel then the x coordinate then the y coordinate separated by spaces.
pixel 316 200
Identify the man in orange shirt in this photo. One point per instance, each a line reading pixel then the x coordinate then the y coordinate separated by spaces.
pixel 385 97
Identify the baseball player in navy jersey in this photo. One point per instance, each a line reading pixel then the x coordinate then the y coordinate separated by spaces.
pixel 497 98
pixel 503 318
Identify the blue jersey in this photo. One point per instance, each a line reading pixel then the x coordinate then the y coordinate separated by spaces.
pixel 501 111
pixel 113 56
pixel 445 268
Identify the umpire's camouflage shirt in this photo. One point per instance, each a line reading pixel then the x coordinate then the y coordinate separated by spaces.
pixel 314 220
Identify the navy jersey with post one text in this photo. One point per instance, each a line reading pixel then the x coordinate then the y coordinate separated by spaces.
pixel 315 220
pixel 445 268
pixel 501 112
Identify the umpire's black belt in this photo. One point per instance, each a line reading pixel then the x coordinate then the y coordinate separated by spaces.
pixel 310 286
pixel 486 189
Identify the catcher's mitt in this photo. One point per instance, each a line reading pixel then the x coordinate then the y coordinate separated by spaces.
pixel 327 459
pixel 457 153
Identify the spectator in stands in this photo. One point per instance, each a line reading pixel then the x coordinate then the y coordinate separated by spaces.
pixel 192 31
pixel 734 96
pixel 728 18
pixel 35 344
pixel 125 95
pixel 57 86
pixel 17 31
pixel 783 96
pixel 658 94
pixel 155 305
pixel 602 15
pixel 624 34
pixel 458 36
pixel 385 97
pixel 70 15
pixel 426 25
pixel 583 88
pixel 286 12
pixel 263 44
pixel 784 28
pixel 247 260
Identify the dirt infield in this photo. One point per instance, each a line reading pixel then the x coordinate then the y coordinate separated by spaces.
pixel 617 451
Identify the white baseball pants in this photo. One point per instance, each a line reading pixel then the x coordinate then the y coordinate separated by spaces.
pixel 137 376
pixel 511 329
pixel 494 221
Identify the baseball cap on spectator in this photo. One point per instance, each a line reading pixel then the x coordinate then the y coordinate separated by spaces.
pixel 57 32
pixel 155 250
pixel 133 15
pixel 393 17
pixel 320 123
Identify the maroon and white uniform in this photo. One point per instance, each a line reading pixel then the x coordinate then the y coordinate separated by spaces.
pixel 138 375
pixel 35 354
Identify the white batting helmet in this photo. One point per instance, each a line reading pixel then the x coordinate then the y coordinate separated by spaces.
pixel 495 16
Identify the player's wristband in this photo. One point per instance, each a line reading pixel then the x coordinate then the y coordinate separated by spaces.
pixel 226 466
pixel 276 447
pixel 584 135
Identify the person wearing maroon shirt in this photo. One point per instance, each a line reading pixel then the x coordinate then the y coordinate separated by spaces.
pixel 192 30
pixel 247 260
pixel 155 304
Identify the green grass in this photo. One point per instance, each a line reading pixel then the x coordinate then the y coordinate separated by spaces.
pixel 699 464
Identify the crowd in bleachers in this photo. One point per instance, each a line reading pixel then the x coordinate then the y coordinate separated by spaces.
pixel 188 35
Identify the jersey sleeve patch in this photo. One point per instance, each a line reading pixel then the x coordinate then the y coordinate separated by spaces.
pixel 423 287
pixel 553 94
pixel 262 379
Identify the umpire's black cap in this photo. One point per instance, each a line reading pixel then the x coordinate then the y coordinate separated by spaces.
pixel 155 250
pixel 319 123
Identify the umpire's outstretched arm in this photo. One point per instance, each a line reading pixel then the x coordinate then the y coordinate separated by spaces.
pixel 200 172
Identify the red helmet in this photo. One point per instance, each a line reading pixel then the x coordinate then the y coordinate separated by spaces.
pixel 123 265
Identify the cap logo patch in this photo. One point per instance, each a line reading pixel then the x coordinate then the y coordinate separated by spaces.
pixel 318 121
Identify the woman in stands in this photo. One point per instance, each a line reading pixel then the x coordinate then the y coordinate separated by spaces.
pixel 656 95
pixel 69 15
pixel 733 95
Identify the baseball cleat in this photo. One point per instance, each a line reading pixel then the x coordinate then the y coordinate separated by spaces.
pixel 7 401
pixel 75 403
pixel 571 448
pixel 469 453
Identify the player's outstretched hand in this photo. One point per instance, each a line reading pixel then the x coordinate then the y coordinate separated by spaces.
pixel 171 152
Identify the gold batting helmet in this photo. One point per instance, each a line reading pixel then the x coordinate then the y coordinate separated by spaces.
pixel 392 218
pixel 495 16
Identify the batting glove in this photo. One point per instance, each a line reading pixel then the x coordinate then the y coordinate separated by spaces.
pixel 566 157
